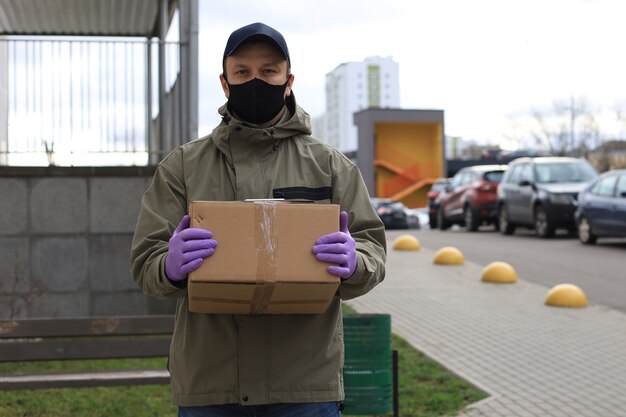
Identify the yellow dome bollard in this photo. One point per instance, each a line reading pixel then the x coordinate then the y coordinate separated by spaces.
pixel 406 242
pixel 449 255
pixel 566 295
pixel 499 272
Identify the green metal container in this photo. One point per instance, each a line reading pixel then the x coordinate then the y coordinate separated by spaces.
pixel 367 371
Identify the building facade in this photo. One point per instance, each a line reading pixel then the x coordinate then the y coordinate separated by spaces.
pixel 355 86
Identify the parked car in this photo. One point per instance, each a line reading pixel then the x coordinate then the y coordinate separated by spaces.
pixel 417 217
pixel 438 186
pixel 601 208
pixel 521 153
pixel 541 193
pixel 470 198
pixel 392 213
pixel 412 219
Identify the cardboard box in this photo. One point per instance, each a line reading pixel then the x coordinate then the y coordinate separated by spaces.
pixel 263 263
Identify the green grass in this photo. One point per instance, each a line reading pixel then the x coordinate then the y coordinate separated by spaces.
pixel 426 390
pixel 140 401
pixel 144 401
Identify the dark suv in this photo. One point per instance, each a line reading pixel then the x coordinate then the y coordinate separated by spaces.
pixel 392 213
pixel 541 193
pixel 470 198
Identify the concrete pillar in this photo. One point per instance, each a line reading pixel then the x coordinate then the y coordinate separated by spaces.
pixel 4 100
pixel 188 16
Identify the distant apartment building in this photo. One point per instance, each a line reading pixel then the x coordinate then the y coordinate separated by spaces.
pixel 354 86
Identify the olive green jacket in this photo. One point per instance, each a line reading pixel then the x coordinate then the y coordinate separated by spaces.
pixel 257 359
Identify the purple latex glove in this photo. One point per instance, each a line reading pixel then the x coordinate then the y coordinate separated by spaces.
pixel 187 249
pixel 339 248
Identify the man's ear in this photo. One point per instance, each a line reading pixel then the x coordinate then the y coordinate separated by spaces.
pixel 224 85
pixel 289 84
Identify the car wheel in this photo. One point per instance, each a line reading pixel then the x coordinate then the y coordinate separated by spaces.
pixel 432 221
pixel 442 223
pixel 543 228
pixel 585 233
pixel 504 225
pixel 471 220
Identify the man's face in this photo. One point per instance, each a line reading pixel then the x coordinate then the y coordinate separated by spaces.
pixel 256 60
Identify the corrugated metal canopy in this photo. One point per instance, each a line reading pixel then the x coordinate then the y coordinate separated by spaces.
pixel 79 17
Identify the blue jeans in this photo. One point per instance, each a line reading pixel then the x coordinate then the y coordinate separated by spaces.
pixel 330 409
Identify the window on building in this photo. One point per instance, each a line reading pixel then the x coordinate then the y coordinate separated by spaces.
pixel 373 85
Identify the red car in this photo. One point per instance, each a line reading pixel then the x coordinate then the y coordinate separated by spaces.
pixel 470 198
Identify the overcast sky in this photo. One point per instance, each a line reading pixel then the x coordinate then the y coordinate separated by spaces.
pixel 485 63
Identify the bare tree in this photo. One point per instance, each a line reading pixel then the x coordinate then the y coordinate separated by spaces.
pixel 620 116
pixel 569 128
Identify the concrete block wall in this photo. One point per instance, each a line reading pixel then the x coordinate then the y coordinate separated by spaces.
pixel 65 237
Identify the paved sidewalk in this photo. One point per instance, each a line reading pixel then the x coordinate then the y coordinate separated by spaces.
pixel 532 359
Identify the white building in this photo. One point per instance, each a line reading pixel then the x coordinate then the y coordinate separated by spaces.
pixel 354 86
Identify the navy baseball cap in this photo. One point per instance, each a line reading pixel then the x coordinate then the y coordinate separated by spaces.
pixel 254 30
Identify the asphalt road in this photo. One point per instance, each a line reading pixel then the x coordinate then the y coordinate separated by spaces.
pixel 599 270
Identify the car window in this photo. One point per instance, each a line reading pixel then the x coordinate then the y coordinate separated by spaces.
pixel 438 186
pixel 565 172
pixel 543 173
pixel 457 180
pixel 513 176
pixel 469 178
pixel 494 176
pixel 605 186
pixel 526 173
pixel 621 186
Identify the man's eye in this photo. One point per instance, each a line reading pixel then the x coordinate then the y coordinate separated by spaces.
pixel 241 72
pixel 269 71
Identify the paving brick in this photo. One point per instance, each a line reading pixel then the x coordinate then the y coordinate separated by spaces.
pixel 58 205
pixel 126 304
pixel 106 272
pixel 114 203
pixel 14 267
pixel 536 360
pixel 60 263
pixel 74 304
pixel 13 206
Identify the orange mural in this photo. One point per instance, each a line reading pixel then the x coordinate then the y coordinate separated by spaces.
pixel 408 159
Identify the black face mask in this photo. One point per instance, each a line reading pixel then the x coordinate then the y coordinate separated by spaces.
pixel 256 101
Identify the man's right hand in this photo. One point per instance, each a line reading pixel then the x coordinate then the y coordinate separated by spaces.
pixel 187 249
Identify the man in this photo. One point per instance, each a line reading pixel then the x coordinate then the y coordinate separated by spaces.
pixel 240 365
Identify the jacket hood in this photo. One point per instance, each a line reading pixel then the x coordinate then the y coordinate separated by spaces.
pixel 298 122
pixel 243 135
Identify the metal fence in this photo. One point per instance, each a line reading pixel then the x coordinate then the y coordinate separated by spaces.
pixel 79 101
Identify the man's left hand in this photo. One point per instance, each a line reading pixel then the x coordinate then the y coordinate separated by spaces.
pixel 338 248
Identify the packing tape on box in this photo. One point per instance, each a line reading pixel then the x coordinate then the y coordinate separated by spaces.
pixel 265 240
pixel 262 296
